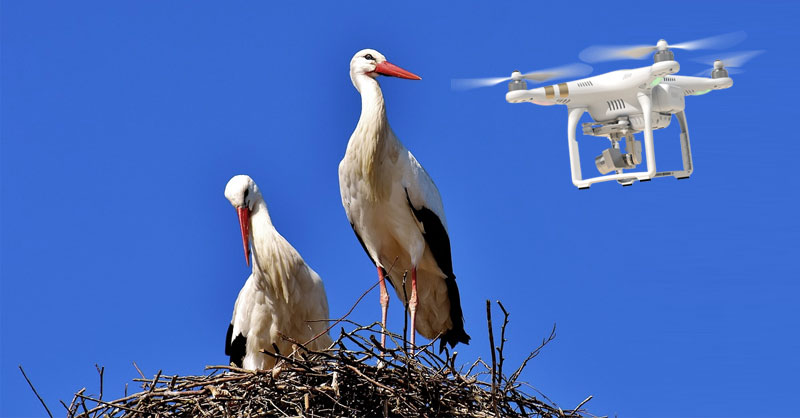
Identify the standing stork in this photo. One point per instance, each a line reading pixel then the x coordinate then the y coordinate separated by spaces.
pixel 397 213
pixel 283 295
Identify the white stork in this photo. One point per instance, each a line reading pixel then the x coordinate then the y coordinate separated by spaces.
pixel 397 213
pixel 283 295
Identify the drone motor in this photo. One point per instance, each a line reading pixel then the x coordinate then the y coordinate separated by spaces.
pixel 719 70
pixel 517 82
pixel 663 53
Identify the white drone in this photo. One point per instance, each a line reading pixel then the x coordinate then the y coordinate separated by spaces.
pixel 623 103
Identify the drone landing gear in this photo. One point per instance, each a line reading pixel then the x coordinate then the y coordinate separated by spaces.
pixel 613 159
pixel 686 152
pixel 618 127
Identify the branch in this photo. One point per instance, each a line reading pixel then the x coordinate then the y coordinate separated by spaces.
pixel 494 358
pixel 35 392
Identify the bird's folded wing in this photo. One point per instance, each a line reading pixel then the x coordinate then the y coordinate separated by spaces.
pixel 421 190
pixel 426 205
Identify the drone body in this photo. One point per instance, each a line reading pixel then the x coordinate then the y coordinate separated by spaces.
pixel 623 103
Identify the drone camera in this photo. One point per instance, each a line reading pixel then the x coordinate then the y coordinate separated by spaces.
pixel 610 160
pixel 613 159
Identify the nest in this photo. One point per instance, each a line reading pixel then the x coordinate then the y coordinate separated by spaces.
pixel 356 377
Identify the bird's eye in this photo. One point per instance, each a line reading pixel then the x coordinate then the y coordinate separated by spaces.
pixel 246 191
pixel 369 57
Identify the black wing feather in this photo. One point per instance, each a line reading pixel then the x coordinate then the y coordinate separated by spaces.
pixel 439 242
pixel 235 347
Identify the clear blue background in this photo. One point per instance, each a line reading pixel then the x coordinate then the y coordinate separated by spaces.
pixel 122 122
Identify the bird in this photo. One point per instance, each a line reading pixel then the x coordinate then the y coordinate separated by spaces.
pixel 397 213
pixel 282 296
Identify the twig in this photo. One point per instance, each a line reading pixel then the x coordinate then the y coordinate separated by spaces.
pixel 86 413
pixel 502 341
pixel 34 391
pixel 155 381
pixel 514 376
pixel 100 370
pixel 138 370
pixel 577 408
pixel 494 359
pixel 349 311
pixel 83 404
pixel 72 407
pixel 69 415
pixel 366 292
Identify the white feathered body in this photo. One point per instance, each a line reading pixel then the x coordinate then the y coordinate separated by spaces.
pixel 281 296
pixel 378 177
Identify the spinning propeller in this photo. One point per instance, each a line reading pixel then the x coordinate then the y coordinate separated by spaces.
pixel 731 62
pixel 572 70
pixel 607 53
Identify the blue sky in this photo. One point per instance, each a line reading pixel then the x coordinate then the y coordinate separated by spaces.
pixel 123 121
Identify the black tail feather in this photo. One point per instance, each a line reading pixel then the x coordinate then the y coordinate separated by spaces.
pixel 457 334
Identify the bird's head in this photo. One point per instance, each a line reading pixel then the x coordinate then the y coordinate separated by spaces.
pixel 243 193
pixel 372 63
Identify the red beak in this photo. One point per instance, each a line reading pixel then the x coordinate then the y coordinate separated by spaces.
pixel 244 224
pixel 387 68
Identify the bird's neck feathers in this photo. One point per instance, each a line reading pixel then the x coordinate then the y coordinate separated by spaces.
pixel 373 120
pixel 269 253
pixel 373 141
pixel 260 221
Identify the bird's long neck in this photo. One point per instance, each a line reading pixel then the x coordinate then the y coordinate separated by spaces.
pixel 259 215
pixel 261 232
pixel 373 140
pixel 269 258
pixel 373 110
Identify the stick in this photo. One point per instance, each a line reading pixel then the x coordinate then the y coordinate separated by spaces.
pixel 106 403
pixel 69 414
pixel 577 408
pixel 502 341
pixel 343 317
pixel 155 381
pixel 140 373
pixel 100 370
pixel 35 392
pixel 533 354
pixel 351 308
pixel 494 358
